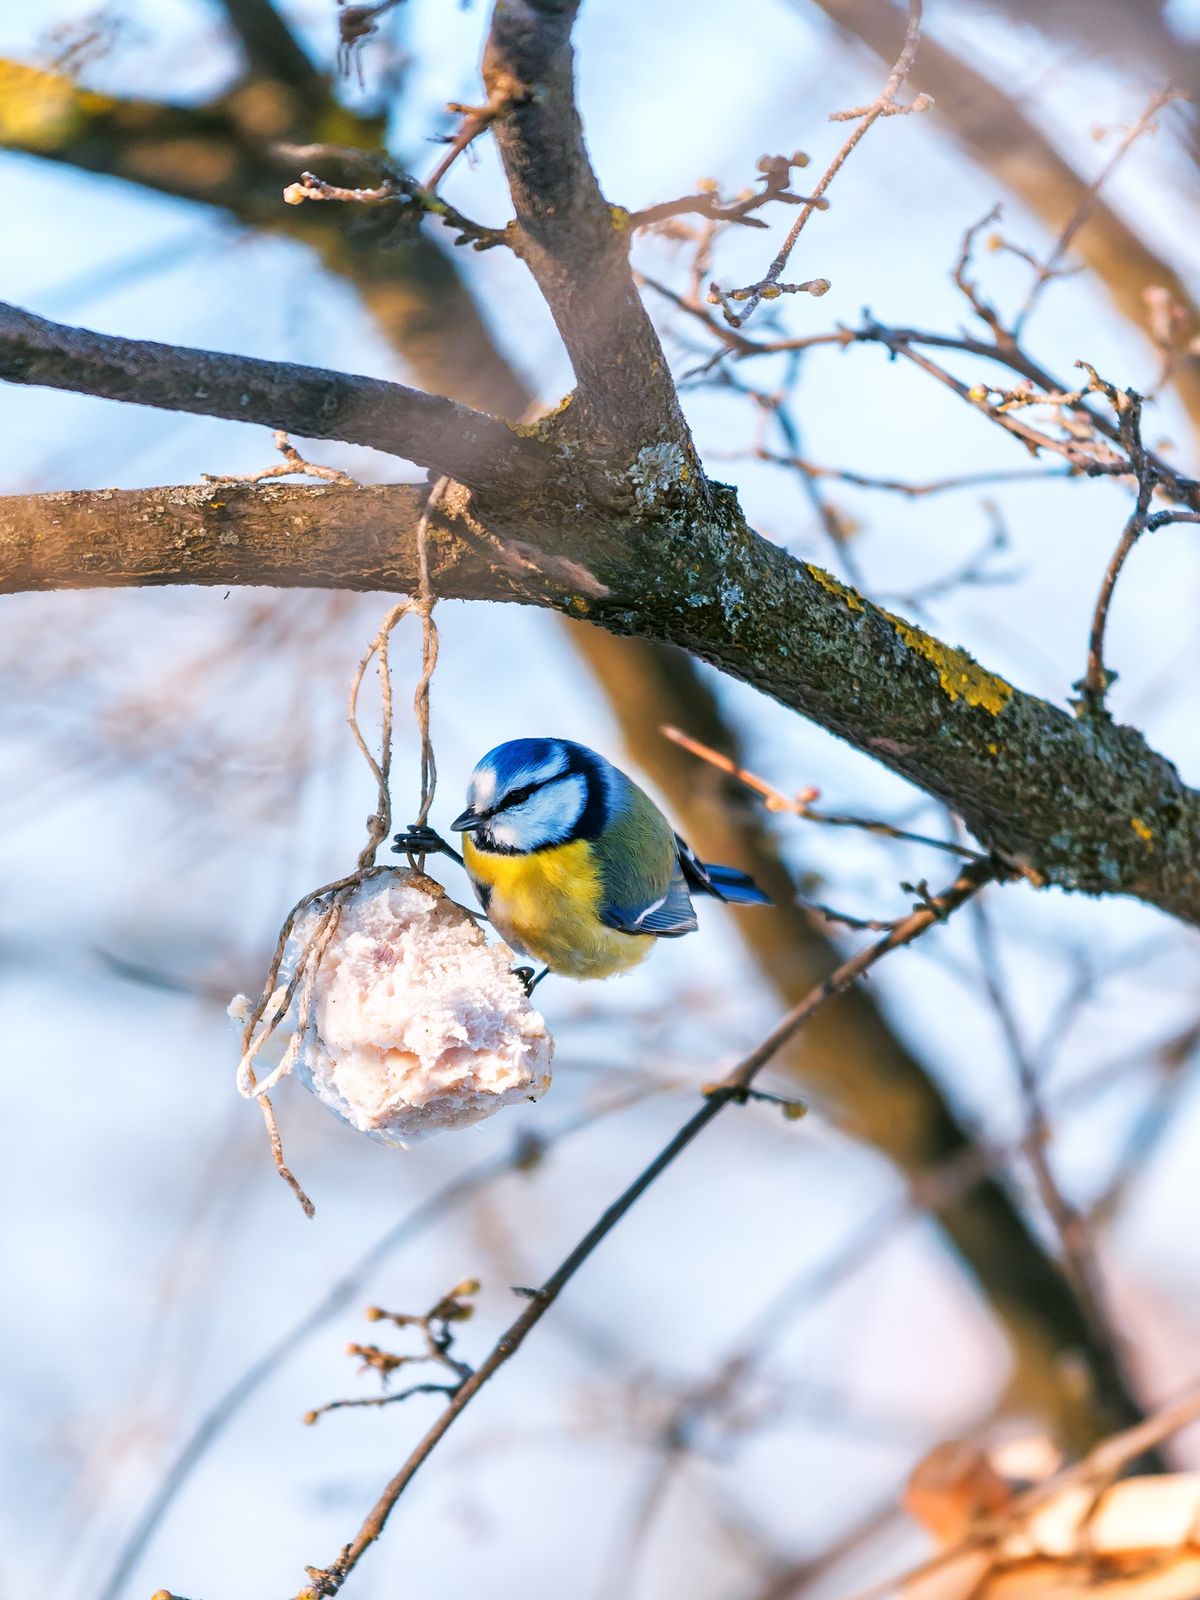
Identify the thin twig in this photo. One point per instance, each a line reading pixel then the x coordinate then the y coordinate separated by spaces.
pixel 1051 267
pixel 776 173
pixel 292 465
pixel 436 1327
pixel 1103 1354
pixel 733 1089
pixel 970 291
pixel 768 287
pixel 397 188
pixel 1147 468
pixel 900 486
pixel 526 1151
pixel 476 120
pixel 1098 678
pixel 800 804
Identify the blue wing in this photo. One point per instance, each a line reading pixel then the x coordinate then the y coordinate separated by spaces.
pixel 667 917
pixel 643 886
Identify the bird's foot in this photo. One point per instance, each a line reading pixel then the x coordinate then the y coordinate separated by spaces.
pixel 529 980
pixel 423 841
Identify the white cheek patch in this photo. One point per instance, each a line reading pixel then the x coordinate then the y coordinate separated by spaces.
pixel 554 810
pixel 504 835
pixel 547 817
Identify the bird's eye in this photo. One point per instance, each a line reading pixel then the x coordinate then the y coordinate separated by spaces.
pixel 516 797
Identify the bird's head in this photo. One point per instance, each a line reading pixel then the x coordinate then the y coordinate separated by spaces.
pixel 531 794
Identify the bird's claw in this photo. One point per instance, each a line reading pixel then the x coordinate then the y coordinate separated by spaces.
pixel 421 840
pixel 529 978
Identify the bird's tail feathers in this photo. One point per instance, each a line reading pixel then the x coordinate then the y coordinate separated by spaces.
pixel 736 887
pixel 723 883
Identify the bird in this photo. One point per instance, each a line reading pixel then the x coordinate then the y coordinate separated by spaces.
pixel 574 864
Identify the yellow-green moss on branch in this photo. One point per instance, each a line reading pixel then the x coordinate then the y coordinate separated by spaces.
pixel 960 675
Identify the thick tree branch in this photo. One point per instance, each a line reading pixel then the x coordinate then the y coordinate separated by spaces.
pixel 433 432
pixel 575 243
pixel 1083 803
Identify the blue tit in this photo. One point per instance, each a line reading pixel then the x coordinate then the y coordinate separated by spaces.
pixel 576 866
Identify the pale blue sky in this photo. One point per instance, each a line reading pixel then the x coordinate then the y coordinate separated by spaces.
pixel 149 1250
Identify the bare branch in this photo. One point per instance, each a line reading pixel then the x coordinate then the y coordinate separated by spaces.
pixel 748 299
pixel 995 129
pixel 475 120
pixel 1081 443
pixel 525 1153
pixel 293 465
pixel 1052 266
pixel 436 1327
pixel 775 175
pixel 1148 470
pixel 800 804
pixel 311 401
pixel 575 243
pixel 902 486
pixel 397 188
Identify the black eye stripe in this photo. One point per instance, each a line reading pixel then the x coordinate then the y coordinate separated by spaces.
pixel 517 797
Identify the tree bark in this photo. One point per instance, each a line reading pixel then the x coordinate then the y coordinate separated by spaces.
pixel 1079 802
pixel 425 428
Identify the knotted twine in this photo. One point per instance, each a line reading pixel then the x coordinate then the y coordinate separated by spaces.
pixel 276 1000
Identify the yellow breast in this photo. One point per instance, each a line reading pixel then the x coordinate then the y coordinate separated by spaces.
pixel 545 904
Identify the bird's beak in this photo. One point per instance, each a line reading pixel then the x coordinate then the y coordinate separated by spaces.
pixel 467 822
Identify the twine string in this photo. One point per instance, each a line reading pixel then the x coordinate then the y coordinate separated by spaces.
pixel 332 896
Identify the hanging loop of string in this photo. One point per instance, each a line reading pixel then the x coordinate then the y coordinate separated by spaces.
pixel 379 823
pixel 275 1002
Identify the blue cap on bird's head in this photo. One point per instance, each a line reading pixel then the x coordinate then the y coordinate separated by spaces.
pixel 530 793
